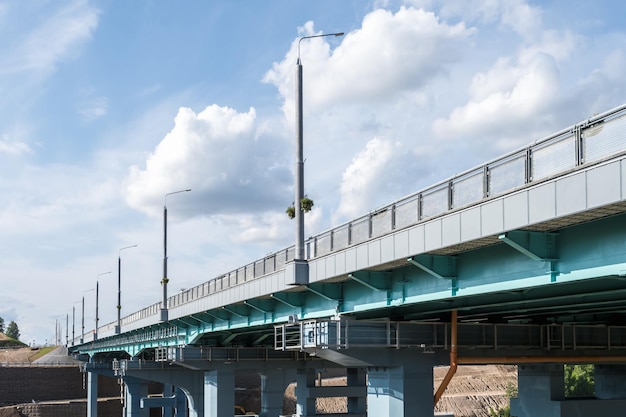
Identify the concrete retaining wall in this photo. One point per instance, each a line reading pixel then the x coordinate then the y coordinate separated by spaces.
pixel 23 385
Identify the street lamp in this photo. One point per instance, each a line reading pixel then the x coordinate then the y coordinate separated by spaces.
pixel 118 326
pixel 82 336
pixel 74 321
pixel 301 274
pixel 165 280
pixel 95 332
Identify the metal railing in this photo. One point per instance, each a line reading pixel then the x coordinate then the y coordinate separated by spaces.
pixel 590 141
pixel 343 334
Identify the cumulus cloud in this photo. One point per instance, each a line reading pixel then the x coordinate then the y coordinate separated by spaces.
pixel 390 53
pixel 504 100
pixel 381 165
pixel 231 165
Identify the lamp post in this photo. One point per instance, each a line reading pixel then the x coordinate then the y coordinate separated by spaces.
pixel 301 273
pixel 165 280
pixel 95 332
pixel 82 336
pixel 74 322
pixel 118 326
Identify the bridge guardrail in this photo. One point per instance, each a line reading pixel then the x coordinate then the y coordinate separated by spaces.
pixel 590 141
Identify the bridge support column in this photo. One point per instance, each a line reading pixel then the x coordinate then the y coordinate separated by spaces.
pixel 540 388
pixel 273 385
pixel 400 391
pixel 357 377
pixel 92 394
pixel 181 403
pixel 168 391
pixel 219 392
pixel 177 404
pixel 610 382
pixel 134 391
pixel 305 402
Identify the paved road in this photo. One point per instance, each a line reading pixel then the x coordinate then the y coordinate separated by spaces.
pixel 57 356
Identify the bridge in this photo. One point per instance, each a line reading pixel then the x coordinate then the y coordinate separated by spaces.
pixel 521 260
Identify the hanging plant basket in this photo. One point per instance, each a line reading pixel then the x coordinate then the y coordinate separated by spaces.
pixel 307 204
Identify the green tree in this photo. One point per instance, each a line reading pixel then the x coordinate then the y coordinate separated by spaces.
pixel 510 392
pixel 579 381
pixel 501 412
pixel 13 331
pixel 1 325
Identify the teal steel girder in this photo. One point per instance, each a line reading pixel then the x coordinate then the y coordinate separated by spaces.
pixel 264 306
pixel 293 300
pixel 439 266
pixel 491 281
pixel 330 292
pixel 540 246
pixel 374 280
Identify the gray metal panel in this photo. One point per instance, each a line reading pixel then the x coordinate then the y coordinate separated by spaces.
pixel 623 165
pixel 331 270
pixel 492 218
pixel 432 235
pixel 416 240
pixel 314 266
pixel 604 185
pixel 541 203
pixel 387 249
pixel 351 260
pixel 362 260
pixel 340 263
pixel 470 224
pixel 515 210
pixel 373 252
pixel 570 194
pixel 451 229
pixel 401 244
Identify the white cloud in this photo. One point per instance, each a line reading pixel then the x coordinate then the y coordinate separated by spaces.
pixel 389 54
pixel 512 96
pixel 368 173
pixel 56 37
pixel 231 165
pixel 13 147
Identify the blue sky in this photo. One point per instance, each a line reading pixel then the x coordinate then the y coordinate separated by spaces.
pixel 107 106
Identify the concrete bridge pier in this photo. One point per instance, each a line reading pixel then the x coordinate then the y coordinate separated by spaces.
pixel 135 390
pixel 610 382
pixel 307 392
pixel 92 394
pixel 541 393
pixel 400 391
pixel 180 403
pixel 219 392
pixel 274 382
pixel 540 388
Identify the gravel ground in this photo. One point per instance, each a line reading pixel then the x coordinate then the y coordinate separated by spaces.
pixel 473 391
